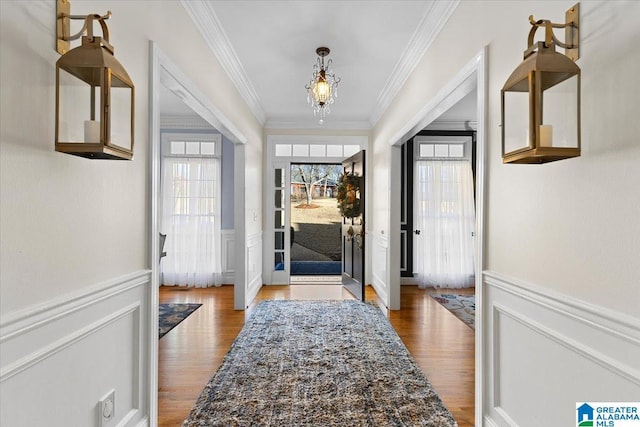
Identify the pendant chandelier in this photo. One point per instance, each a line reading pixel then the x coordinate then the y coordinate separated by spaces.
pixel 323 87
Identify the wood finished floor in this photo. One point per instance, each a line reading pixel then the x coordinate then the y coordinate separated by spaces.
pixel 442 345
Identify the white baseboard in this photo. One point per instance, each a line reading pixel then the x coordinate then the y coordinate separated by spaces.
pixel 547 351
pixel 409 281
pixel 62 356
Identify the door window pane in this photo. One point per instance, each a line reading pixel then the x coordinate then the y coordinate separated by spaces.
pixel 279 182
pixel 279 261
pixel 279 240
pixel 317 150
pixel 301 150
pixel 283 150
pixel 334 150
pixel 279 220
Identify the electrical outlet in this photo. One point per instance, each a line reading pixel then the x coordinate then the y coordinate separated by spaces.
pixel 106 408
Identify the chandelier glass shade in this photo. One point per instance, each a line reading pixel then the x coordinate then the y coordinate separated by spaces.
pixel 323 87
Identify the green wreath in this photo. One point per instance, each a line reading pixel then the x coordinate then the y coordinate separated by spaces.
pixel 349 195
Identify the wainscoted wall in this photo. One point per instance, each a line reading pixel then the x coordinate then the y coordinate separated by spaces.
pixel 227 246
pixel 545 350
pixel 379 248
pixel 254 266
pixel 59 358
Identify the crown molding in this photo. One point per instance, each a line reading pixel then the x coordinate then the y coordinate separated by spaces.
pixel 432 23
pixel 313 124
pixel 209 26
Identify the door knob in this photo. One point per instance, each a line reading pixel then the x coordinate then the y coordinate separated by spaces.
pixel 417 232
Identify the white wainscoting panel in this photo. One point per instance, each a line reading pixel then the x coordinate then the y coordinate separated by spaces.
pixel 59 358
pixel 228 256
pixel 544 352
pixel 380 246
pixel 254 266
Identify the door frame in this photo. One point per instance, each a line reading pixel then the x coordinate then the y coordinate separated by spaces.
pixel 473 75
pixel 164 72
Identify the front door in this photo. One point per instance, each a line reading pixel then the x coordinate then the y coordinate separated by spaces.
pixel 353 225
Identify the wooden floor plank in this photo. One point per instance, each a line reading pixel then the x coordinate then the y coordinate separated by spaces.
pixel 442 345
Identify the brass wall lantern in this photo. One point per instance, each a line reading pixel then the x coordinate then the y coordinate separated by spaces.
pixel 541 98
pixel 94 93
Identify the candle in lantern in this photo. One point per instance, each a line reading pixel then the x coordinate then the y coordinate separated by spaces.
pixel 546 135
pixel 91 131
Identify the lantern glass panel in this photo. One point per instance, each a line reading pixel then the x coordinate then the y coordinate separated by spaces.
pixel 560 114
pixel 516 120
pixel 75 123
pixel 121 96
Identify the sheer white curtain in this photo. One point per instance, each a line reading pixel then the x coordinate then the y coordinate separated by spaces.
pixel 445 216
pixel 191 221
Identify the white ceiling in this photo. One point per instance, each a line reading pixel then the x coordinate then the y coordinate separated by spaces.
pixel 268 49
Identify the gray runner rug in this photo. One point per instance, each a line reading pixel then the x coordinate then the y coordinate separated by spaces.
pixel 318 363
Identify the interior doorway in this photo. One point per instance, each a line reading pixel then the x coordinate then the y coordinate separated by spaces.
pixel 472 77
pixel 315 222
pixel 167 80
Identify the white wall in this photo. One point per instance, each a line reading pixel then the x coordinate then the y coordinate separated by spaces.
pixel 74 229
pixel 567 228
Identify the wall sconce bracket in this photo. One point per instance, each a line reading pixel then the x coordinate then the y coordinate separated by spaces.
pixel 63 23
pixel 63 26
pixel 572 32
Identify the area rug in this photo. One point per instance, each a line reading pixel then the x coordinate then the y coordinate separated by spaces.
pixel 461 306
pixel 318 363
pixel 170 315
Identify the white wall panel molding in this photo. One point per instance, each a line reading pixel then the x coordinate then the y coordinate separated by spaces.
pixel 14 368
pixel 81 346
pixel 609 321
pixel 254 266
pixel 380 246
pixel 22 321
pixel 228 255
pixel 549 351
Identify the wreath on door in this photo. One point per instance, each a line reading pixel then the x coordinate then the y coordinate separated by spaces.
pixel 349 195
